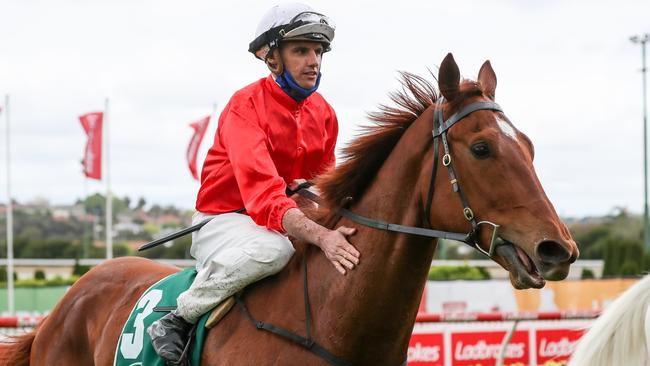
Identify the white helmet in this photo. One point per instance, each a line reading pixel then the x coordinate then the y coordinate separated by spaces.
pixel 291 22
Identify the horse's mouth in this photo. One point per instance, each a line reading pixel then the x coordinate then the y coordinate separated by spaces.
pixel 523 271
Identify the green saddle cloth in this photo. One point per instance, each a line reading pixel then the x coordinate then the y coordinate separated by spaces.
pixel 134 346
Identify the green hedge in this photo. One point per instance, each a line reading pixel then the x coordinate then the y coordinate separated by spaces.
pixel 446 273
pixel 57 281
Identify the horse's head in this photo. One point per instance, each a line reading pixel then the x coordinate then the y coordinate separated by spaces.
pixel 493 162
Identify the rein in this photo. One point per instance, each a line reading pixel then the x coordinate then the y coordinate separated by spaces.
pixel 439 131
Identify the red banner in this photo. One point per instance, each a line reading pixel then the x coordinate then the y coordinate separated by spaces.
pixel 92 161
pixel 193 148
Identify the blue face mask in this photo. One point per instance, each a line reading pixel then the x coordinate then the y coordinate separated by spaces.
pixel 291 87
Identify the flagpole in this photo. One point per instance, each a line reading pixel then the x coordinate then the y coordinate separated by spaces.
pixel 109 197
pixel 10 222
pixel 214 111
pixel 85 239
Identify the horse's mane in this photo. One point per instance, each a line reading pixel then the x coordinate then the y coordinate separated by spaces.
pixel 363 157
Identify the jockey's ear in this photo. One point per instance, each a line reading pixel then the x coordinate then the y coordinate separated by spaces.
pixel 274 62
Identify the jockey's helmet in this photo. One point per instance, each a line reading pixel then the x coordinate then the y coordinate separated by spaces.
pixel 291 22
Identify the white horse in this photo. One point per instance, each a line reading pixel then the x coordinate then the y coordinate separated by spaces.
pixel 620 336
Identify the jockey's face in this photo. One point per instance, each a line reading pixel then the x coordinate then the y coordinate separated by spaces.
pixel 302 59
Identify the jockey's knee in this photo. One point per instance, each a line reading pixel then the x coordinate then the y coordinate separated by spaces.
pixel 270 254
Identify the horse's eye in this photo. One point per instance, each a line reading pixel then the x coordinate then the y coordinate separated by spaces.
pixel 481 150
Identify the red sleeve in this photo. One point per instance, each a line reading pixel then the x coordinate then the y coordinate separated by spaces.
pixel 329 159
pixel 261 187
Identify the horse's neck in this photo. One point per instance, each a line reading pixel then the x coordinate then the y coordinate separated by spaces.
pixel 374 306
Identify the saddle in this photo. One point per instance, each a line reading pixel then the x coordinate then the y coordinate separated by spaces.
pixel 134 346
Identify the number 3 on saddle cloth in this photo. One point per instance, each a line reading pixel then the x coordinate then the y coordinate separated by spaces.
pixel 134 346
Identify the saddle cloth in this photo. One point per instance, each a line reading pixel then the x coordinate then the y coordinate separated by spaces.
pixel 134 346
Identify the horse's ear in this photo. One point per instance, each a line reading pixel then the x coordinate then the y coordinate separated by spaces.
pixel 449 78
pixel 488 79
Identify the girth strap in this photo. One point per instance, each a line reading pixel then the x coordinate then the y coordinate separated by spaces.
pixel 295 338
pixel 306 342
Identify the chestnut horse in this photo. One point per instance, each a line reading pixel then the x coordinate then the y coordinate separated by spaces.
pixel 367 316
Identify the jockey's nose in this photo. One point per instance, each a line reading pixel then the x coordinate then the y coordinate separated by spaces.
pixel 314 58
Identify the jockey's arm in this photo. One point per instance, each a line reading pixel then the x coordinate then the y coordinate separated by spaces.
pixel 333 243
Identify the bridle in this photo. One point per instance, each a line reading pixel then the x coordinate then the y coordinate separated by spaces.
pixel 439 133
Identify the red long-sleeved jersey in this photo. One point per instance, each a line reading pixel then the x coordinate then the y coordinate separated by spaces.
pixel 265 140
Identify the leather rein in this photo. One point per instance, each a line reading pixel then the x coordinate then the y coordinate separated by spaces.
pixel 439 132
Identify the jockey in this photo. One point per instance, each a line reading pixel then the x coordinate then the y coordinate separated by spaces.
pixel 272 133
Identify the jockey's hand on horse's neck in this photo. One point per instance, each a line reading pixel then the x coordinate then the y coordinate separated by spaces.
pixel 333 243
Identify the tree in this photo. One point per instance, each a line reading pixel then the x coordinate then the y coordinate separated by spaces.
pixel 587 274
pixel 54 248
pixel 156 210
pixel 622 257
pixel 39 274
pixel 141 203
pixel 96 204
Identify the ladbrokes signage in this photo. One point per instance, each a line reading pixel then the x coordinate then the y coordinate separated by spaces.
pixel 426 349
pixel 556 344
pixel 482 348
pixel 468 347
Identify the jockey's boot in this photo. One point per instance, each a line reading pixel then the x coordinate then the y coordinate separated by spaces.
pixel 169 336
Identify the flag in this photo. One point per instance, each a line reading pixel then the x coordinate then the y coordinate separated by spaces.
pixel 193 148
pixel 92 161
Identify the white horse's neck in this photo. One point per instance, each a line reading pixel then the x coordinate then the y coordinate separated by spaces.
pixel 620 335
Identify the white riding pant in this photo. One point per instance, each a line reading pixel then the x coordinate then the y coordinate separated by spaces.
pixel 231 252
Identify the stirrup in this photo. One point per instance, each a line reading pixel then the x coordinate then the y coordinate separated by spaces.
pixel 219 312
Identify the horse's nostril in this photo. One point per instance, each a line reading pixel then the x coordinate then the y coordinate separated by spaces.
pixel 552 252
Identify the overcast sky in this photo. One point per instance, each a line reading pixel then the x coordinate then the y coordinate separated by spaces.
pixel 568 76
